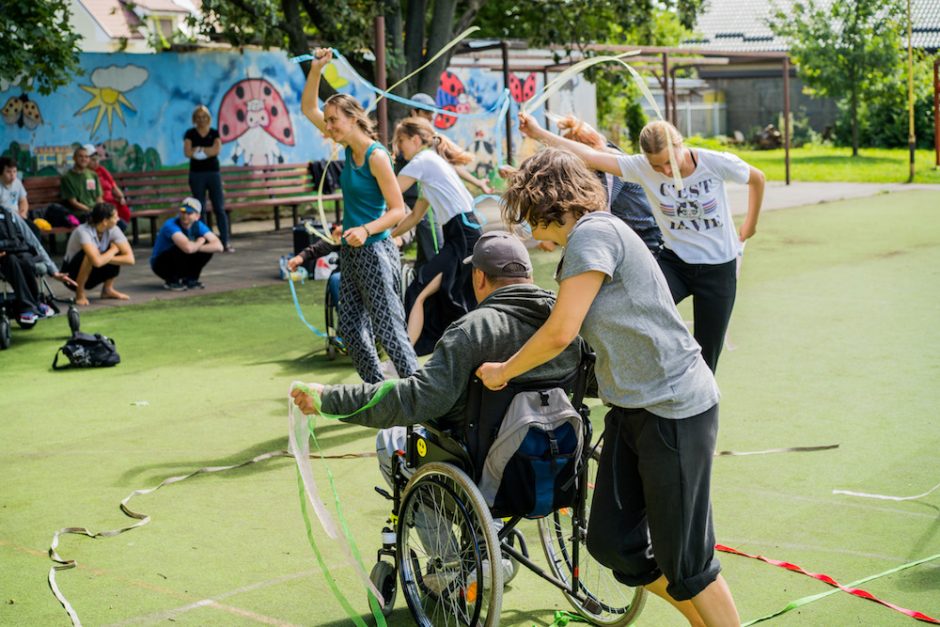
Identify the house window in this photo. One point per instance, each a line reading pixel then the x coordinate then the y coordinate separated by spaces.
pixel 164 26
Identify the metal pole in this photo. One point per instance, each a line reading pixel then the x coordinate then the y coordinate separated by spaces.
pixel 786 115
pixel 380 82
pixel 911 138
pixel 936 111
pixel 505 50
pixel 666 85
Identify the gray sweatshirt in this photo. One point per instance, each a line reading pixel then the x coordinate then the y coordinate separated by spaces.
pixel 494 331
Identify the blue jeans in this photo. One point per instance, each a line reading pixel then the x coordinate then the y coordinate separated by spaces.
pixel 199 183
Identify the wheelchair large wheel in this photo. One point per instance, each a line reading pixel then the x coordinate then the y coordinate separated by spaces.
pixel 609 601
pixel 446 541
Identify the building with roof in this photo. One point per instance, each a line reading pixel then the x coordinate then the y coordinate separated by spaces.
pixel 124 26
pixel 753 91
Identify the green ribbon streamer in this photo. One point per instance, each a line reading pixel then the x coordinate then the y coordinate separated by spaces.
pixel 562 618
pixel 792 605
pixel 353 547
pixel 330 581
pixel 384 388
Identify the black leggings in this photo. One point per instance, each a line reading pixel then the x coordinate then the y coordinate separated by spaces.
pixel 713 288
pixel 174 265
pixel 97 276
pixel 18 270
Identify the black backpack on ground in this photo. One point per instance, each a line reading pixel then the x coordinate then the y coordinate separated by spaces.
pixel 84 350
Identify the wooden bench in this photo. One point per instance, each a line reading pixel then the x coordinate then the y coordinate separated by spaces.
pixel 42 191
pixel 154 194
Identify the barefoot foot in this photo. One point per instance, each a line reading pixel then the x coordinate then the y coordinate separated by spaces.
pixel 114 294
pixel 81 300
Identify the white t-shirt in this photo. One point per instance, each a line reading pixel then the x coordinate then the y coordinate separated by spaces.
pixel 88 234
pixel 10 196
pixel 439 184
pixel 696 221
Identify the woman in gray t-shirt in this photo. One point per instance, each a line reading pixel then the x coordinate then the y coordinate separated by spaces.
pixel 95 253
pixel 650 519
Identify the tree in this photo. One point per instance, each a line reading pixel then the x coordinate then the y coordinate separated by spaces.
pixel 416 30
pixel 844 50
pixel 40 51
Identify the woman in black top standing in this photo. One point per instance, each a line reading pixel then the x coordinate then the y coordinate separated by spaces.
pixel 202 144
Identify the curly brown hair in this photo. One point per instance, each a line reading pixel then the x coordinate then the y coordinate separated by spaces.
pixel 550 185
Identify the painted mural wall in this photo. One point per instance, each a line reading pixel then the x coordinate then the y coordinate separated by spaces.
pixel 135 109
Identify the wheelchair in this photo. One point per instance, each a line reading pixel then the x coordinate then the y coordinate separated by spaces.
pixel 447 549
pixel 46 296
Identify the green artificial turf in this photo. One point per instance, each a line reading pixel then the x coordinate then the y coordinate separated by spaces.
pixel 835 341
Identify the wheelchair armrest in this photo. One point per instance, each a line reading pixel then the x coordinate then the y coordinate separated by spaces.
pixel 436 444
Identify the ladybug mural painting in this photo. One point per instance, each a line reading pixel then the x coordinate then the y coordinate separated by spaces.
pixel 22 112
pixel 253 116
pixel 451 96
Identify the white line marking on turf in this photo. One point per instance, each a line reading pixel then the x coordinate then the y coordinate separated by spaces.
pixel 813 548
pixel 214 602
pixel 829 502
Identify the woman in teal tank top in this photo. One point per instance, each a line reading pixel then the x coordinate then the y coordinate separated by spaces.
pixel 370 284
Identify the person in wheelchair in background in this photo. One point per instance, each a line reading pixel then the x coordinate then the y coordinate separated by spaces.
pixel 22 261
pixel 511 308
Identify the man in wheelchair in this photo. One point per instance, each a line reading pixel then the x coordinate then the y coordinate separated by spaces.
pixel 22 261
pixel 434 510
pixel 511 308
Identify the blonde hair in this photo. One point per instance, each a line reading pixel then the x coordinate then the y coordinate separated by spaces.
pixel 351 108
pixel 420 127
pixel 580 131
pixel 550 185
pixel 203 109
pixel 656 137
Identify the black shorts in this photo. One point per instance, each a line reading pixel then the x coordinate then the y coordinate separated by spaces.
pixel 651 510
pixel 97 276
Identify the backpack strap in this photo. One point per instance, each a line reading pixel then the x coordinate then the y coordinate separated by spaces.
pixel 55 361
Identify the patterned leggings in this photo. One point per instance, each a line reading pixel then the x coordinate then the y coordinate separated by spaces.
pixel 370 302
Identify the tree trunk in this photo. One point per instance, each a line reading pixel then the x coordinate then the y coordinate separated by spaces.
pixel 414 40
pixel 296 39
pixel 396 66
pixel 441 32
pixel 855 120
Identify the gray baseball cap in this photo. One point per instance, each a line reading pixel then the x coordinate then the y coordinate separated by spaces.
pixel 423 99
pixel 501 254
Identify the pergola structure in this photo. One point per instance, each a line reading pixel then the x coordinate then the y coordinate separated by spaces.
pixel 661 62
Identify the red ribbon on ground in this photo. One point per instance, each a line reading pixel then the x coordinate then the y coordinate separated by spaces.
pixel 864 594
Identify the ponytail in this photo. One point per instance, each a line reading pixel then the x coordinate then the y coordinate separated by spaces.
pixel 420 127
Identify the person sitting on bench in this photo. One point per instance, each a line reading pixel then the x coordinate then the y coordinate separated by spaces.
pixel 183 247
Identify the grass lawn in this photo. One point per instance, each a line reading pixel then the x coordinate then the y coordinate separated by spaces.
pixel 813 163
pixel 835 341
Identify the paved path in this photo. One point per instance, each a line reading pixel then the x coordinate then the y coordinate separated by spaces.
pixel 258 247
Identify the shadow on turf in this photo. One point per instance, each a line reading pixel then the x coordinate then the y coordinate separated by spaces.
pixel 401 616
pixel 313 365
pixel 329 436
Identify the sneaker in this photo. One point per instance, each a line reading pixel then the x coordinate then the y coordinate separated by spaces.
pixel 508 574
pixel 45 311
pixel 174 286
pixel 194 284
pixel 439 582
pixel 28 317
pixel 229 249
